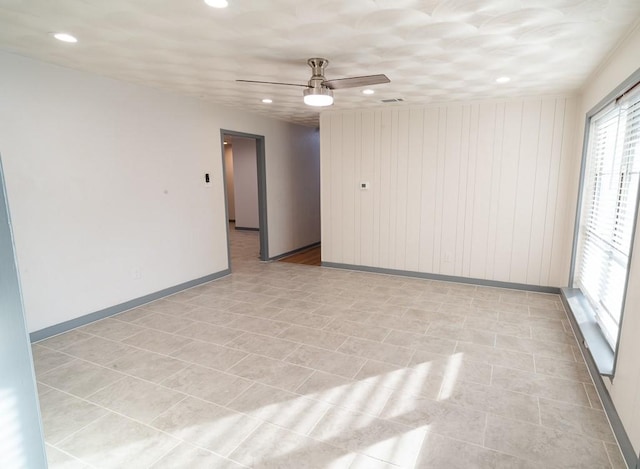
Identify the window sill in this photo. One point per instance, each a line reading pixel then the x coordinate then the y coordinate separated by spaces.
pixel 589 333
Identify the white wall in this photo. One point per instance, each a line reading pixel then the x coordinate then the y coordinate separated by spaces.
pixel 472 190
pixel 245 175
pixel 105 183
pixel 293 192
pixel 625 389
pixel 228 175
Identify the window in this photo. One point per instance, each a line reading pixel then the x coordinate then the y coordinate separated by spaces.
pixel 608 210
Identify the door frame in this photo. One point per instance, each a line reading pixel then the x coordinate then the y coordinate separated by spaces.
pixel 262 190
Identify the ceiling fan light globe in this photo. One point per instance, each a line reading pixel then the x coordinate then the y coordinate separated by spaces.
pixel 217 3
pixel 64 37
pixel 318 100
pixel 318 97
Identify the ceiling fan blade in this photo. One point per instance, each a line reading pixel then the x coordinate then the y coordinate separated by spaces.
pixel 272 83
pixel 355 82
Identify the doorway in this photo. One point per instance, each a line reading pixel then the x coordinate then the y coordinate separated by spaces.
pixel 244 169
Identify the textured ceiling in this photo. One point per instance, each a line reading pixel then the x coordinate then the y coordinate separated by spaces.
pixel 432 50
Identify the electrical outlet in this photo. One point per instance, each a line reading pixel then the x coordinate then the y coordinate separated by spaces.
pixel 447 257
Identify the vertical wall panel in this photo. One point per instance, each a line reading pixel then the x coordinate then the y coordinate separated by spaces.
pixel 552 189
pixel 414 189
pixel 393 191
pixel 480 206
pixel 470 181
pixel 540 191
pixel 429 187
pixel 439 205
pixel 525 189
pixel 496 175
pixel 470 190
pixel 385 189
pixel 401 190
pixel 335 186
pixel 367 172
pixel 565 202
pixel 463 189
pixel 451 188
pixel 348 218
pixel 376 188
pixel 355 189
pixel 508 189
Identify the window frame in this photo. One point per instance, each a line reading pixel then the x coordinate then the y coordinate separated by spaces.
pixel 631 82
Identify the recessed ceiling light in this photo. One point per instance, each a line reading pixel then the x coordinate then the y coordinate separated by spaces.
pixel 267 101
pixel 226 143
pixel 217 3
pixel 503 80
pixel 368 91
pixel 64 37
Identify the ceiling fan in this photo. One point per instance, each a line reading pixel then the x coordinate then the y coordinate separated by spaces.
pixel 319 90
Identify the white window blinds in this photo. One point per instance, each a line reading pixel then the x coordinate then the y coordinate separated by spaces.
pixel 608 211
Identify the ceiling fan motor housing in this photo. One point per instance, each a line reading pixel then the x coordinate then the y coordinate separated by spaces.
pixel 317 72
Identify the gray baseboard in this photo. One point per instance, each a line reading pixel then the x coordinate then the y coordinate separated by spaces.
pixel 246 228
pixel 295 251
pixel 110 311
pixel 445 278
pixel 632 460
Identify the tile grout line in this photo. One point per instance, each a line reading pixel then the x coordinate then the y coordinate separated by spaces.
pixel 81 461
pixel 539 411
pixel 484 431
pixel 166 453
pixel 149 425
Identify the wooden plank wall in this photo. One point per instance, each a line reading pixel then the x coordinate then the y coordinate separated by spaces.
pixel 482 190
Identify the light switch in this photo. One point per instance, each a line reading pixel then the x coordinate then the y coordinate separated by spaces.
pixel 364 186
pixel 207 179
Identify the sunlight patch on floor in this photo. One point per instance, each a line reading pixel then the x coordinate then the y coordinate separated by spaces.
pixel 450 377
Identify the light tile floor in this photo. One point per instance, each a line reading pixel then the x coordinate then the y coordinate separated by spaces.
pixel 290 366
